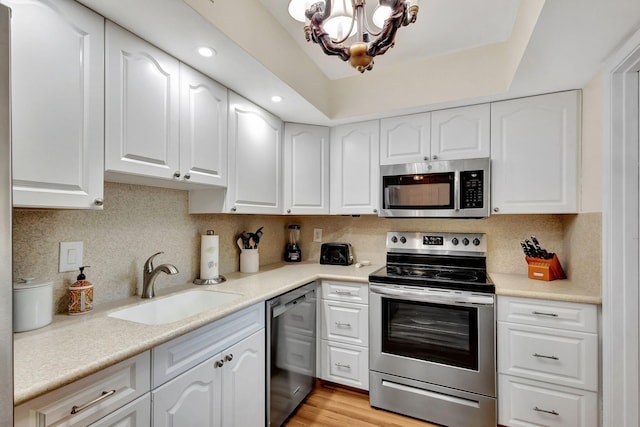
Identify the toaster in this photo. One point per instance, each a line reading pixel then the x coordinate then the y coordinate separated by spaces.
pixel 336 254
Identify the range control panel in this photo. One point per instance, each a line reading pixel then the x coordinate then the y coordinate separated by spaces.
pixel 434 242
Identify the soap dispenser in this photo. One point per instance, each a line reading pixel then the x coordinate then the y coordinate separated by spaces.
pixel 81 295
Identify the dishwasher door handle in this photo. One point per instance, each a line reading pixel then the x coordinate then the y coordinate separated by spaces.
pixel 280 309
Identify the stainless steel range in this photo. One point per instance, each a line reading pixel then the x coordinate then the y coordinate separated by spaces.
pixel 432 330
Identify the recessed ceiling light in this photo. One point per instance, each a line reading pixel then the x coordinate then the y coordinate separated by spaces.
pixel 207 52
pixel 276 98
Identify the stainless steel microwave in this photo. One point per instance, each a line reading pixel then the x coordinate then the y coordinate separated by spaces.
pixel 441 189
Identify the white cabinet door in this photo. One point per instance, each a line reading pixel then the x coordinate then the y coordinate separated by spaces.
pixel 255 159
pixel 405 139
pixel 57 67
pixel 191 399
pixel 355 170
pixel 461 133
pixel 306 169
pixel 203 129
pixel 142 107
pixel 534 154
pixel 243 382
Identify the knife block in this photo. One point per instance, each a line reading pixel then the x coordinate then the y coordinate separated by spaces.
pixel 545 269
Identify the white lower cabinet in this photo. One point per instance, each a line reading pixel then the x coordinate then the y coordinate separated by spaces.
pixel 85 401
pixel 214 393
pixel 344 334
pixel 548 364
pixel 204 378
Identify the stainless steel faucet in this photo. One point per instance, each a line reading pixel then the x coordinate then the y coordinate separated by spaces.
pixel 150 274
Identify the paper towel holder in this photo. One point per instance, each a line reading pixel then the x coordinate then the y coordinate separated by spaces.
pixel 214 280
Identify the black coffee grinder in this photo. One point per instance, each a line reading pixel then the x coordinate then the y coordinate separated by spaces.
pixel 292 252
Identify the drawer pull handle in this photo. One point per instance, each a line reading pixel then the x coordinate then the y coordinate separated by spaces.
pixel 552 412
pixel 542 313
pixel 545 357
pixel 341 365
pixel 75 408
pixel 344 293
pixel 343 325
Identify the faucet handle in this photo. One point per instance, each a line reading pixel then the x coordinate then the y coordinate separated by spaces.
pixel 148 265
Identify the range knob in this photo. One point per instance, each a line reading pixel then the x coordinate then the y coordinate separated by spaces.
pixel 465 241
pixel 455 241
pixel 394 239
pixel 403 240
pixel 476 242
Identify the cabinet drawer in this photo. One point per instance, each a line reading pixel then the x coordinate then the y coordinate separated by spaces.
pixel 88 399
pixel 345 291
pixel 345 322
pixel 179 355
pixel 554 314
pixel 530 403
pixel 345 364
pixel 563 357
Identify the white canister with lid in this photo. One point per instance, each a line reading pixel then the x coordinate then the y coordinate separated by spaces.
pixel 32 304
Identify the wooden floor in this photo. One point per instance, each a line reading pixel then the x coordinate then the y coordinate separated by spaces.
pixel 330 405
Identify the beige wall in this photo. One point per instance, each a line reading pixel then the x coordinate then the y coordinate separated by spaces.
pixel 138 221
pixel 591 153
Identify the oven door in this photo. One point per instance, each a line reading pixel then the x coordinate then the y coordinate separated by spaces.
pixel 438 336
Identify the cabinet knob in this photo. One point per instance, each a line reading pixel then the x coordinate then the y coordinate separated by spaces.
pixel 219 364
pixel 426 158
pixel 496 209
pixel 98 202
pixel 434 157
pixel 176 174
pixel 187 176
pixel 288 210
pixel 375 211
pixel 233 209
pixel 228 357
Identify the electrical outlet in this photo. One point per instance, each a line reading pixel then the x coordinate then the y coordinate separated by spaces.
pixel 70 256
pixel 317 234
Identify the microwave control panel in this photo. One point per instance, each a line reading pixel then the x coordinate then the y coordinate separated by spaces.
pixel 471 189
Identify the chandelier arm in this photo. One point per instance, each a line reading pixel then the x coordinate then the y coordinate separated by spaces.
pixel 316 15
pixel 388 34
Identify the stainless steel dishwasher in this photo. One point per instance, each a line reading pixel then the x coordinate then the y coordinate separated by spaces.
pixel 291 359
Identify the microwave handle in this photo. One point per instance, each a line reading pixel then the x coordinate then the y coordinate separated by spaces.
pixel 456 191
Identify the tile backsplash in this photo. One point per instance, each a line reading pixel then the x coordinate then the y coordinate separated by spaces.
pixel 138 221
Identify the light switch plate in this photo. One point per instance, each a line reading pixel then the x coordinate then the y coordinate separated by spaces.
pixel 70 256
pixel 317 234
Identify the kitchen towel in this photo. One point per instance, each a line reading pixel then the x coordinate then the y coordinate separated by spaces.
pixel 209 252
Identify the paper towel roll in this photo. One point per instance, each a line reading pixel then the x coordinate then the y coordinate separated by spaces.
pixel 209 251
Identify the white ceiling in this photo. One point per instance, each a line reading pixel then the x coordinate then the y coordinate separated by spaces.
pixel 458 52
pixel 443 26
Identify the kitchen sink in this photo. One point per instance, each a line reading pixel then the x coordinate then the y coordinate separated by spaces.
pixel 174 307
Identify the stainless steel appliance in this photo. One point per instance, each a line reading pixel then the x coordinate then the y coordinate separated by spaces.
pixel 6 317
pixel 291 356
pixel 449 188
pixel 432 330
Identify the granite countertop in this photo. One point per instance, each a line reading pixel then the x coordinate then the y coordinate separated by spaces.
pixel 519 285
pixel 72 347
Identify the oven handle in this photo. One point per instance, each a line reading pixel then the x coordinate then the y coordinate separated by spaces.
pixel 427 295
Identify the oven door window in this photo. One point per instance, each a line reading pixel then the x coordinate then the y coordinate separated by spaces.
pixel 445 334
pixel 421 191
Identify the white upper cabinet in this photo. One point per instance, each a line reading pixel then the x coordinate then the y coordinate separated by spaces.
pixel 461 133
pixel 57 67
pixel 405 139
pixel 142 107
pixel 534 154
pixel 255 159
pixel 355 170
pixel 306 169
pixel 203 128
